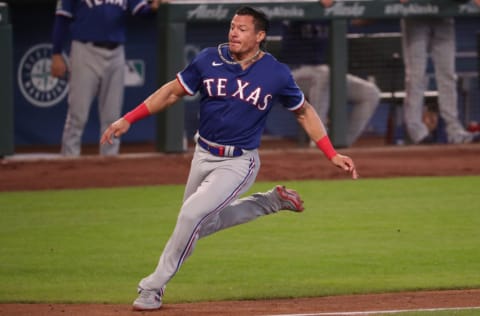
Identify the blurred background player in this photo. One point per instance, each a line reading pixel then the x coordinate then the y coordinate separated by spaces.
pixel 96 63
pixel 432 36
pixel 304 49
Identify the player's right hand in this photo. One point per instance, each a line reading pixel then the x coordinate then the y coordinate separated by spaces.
pixel 116 129
pixel 58 69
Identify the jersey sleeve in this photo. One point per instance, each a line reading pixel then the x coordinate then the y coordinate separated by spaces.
pixel 291 96
pixel 59 33
pixel 190 77
pixel 139 7
pixel 63 17
pixel 64 8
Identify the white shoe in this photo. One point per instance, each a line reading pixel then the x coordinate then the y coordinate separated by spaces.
pixel 147 300
pixel 464 137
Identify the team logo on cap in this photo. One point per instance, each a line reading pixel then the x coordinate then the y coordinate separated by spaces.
pixel 35 81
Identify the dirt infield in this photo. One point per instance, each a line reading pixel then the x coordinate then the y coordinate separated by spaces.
pixel 280 161
pixel 311 306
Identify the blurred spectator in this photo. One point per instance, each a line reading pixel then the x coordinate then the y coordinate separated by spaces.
pixel 97 62
pixel 475 126
pixel 304 49
pixel 434 36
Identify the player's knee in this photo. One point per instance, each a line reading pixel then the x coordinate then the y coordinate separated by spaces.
pixel 76 121
pixel 188 217
pixel 372 93
pixel 323 69
pixel 376 94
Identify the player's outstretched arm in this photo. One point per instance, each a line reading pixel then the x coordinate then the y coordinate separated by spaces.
pixel 312 124
pixel 161 99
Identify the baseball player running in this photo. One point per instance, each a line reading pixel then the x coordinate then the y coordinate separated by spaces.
pixel 239 83
pixel 97 61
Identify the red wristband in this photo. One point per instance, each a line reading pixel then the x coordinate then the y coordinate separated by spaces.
pixel 137 113
pixel 326 147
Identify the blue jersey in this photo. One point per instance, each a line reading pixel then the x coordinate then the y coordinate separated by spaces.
pixel 99 20
pixel 234 103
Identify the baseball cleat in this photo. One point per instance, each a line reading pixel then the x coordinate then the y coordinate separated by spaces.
pixel 147 300
pixel 464 137
pixel 290 199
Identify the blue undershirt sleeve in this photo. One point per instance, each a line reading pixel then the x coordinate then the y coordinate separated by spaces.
pixel 59 34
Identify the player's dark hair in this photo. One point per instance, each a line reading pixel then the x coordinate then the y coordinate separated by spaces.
pixel 260 19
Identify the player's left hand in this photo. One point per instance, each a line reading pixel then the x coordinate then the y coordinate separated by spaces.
pixel 345 163
pixel 116 129
pixel 58 67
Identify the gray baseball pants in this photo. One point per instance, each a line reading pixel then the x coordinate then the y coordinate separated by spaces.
pixel 94 71
pixel 211 203
pixel 421 37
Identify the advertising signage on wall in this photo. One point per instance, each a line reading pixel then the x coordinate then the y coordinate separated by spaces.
pixel 42 90
pixel 196 11
pixel 34 80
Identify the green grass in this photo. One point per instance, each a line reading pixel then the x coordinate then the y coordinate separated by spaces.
pixel 354 237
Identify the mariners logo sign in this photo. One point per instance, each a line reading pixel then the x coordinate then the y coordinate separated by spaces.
pixel 35 81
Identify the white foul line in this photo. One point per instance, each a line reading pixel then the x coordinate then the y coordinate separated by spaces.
pixel 380 312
